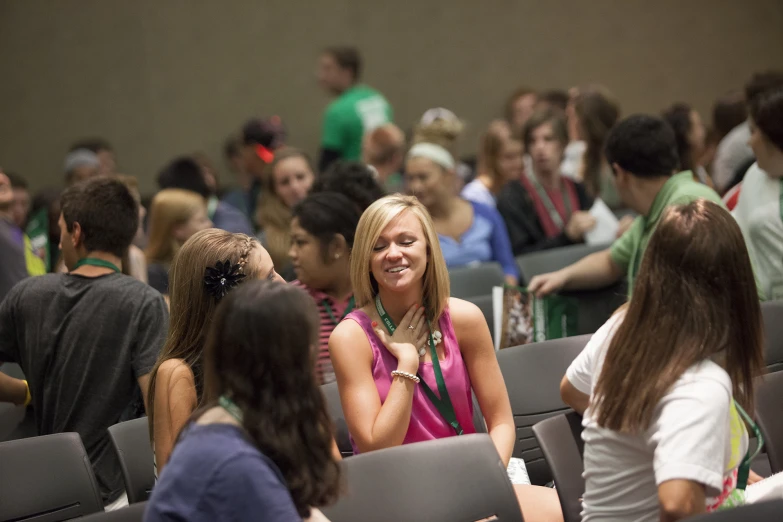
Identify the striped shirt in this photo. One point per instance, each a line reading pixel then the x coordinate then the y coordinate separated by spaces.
pixel 324 368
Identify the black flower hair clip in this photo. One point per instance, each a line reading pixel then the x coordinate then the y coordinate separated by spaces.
pixel 221 278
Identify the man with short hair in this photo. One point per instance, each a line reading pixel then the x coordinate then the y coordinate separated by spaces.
pixel 642 152
pixel 86 340
pixel 384 150
pixel 357 110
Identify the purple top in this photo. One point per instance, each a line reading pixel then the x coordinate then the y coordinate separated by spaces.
pixel 426 422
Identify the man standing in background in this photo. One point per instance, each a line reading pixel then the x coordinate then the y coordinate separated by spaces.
pixel 357 110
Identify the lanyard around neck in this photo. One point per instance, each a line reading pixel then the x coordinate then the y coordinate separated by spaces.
pixel 443 403
pixel 231 408
pixel 93 261
pixel 348 310
pixel 743 472
pixel 212 205
pixel 550 206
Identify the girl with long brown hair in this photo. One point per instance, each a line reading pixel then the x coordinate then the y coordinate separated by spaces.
pixel 176 381
pixel 500 160
pixel 260 449
pixel 667 382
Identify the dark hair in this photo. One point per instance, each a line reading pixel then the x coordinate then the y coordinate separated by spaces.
pixel 694 299
pixel 268 132
pixel 557 98
pixel 643 145
pixel 347 58
pixel 106 212
pixel 729 111
pixel 542 117
pixel 326 214
pixel 352 179
pixel 598 112
pixel 767 113
pixel 17 181
pixel 762 82
pixel 184 173
pixel 678 116
pixel 267 367
pixel 92 144
pixel 232 147
pixel 521 92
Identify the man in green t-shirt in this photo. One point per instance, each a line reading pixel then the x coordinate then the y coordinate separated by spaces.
pixel 642 152
pixel 357 110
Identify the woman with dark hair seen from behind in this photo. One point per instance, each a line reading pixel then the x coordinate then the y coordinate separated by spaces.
pixel 288 181
pixel 500 160
pixel 543 209
pixel 592 113
pixel 322 234
pixel 759 212
pixel 352 179
pixel 691 138
pixel 664 389
pixel 245 455
pixel 207 266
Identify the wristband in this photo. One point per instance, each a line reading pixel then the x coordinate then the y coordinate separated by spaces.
pixel 28 398
pixel 406 375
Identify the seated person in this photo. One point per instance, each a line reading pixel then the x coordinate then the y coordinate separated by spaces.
pixel 260 447
pixel 665 384
pixel 386 374
pixel 469 233
pixel 87 340
pixel 354 180
pixel 175 215
pixel 500 160
pixel 176 382
pixel 384 150
pixel 544 209
pixel 642 151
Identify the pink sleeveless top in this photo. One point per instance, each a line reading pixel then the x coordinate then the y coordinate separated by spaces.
pixel 426 422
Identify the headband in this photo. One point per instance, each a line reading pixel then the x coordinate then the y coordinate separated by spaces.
pixel 439 113
pixel 434 153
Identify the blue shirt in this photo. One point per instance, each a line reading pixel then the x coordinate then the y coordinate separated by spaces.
pixel 215 473
pixel 231 220
pixel 485 240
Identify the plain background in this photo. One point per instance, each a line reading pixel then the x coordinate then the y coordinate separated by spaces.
pixel 159 78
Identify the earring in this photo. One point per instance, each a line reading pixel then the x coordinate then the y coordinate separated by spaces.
pixel 337 256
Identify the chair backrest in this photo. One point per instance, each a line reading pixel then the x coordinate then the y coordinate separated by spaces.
pixel 532 373
pixel 759 512
pixel 47 479
pixel 769 390
pixel 560 438
pixel 772 313
pixel 341 435
pixel 597 306
pixel 545 261
pixel 472 281
pixel 131 440
pixel 484 302
pixel 457 479
pixel 132 513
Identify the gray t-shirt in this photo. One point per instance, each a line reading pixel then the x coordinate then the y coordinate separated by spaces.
pixel 82 343
pixel 13 266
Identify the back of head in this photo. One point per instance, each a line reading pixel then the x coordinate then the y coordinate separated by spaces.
pixel 440 127
pixel 767 114
pixel 79 165
pixel 170 208
pixel 597 111
pixel 729 111
pixel 260 353
pixel 762 82
pixel 541 117
pixel 643 145
pixel 694 299
pixel 554 98
pixel 678 116
pixel 268 132
pixel 347 58
pixel 352 179
pixel 383 144
pixel 371 225
pixel 184 173
pixel 491 146
pixel 327 214
pixel 106 211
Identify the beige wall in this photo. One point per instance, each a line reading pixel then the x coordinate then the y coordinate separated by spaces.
pixel 164 77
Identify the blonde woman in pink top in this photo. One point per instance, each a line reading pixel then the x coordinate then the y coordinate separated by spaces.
pixel 408 357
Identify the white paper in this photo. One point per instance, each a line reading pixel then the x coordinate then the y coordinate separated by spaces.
pixel 606 225
pixel 517 472
pixel 497 314
pixel 770 488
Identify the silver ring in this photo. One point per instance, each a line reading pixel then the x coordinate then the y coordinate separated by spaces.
pixel 411 327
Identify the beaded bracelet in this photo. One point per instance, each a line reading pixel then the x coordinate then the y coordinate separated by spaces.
pixel 398 373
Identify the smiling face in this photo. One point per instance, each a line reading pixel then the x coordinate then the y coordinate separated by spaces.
pixel 307 257
pixel 400 255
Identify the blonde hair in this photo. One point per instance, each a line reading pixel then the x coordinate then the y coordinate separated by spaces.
pixel 192 307
pixel 170 208
pixel 273 216
pixel 441 131
pixel 372 223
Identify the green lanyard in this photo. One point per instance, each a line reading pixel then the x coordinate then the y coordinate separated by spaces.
pixel 348 310
pixel 212 205
pixel 231 408
pixel 92 261
pixel 744 469
pixel 442 403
